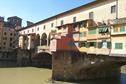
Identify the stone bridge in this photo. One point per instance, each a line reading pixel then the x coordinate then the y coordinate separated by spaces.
pixel 71 66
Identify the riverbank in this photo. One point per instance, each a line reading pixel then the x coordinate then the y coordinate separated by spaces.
pixel 123 69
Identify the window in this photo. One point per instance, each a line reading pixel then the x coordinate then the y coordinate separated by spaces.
pixel 91 15
pixel 11 34
pixel 28 31
pixel 82 44
pixel 74 19
pixel 5 33
pixel 82 34
pixel 11 39
pixel 32 30
pixel 118 45
pixel 116 29
pixel 4 43
pixel 38 29
pixel 113 9
pixel 44 27
pixel 91 32
pixel 62 22
pixel 104 44
pixel 4 38
pixel 52 24
pixel 109 45
pixel 122 28
pixel 10 44
pixel 92 44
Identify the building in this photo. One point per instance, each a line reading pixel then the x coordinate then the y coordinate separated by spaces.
pixel 118 37
pixel 78 36
pixel 8 35
pixel 110 8
pixel 14 21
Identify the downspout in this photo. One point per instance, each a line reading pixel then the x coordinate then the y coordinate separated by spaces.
pixel 117 5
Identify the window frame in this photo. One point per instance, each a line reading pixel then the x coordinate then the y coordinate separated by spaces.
pixel 119 46
pixel 91 15
pixel 74 19
pixel 113 9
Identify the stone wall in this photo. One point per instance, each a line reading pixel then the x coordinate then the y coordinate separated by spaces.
pixel 71 66
pixel 24 57
pixel 31 58
pixel 8 59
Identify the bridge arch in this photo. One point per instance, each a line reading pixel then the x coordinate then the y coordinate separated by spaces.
pixel 42 59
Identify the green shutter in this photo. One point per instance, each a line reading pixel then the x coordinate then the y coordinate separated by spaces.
pixel 95 44
pixel 82 34
pixel 105 29
pixel 109 45
pixel 118 45
pixel 93 31
pixel 122 28
pixel 100 30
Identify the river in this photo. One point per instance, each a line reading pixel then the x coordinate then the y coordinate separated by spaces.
pixel 31 75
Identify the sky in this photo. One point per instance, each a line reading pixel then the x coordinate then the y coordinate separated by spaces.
pixel 36 10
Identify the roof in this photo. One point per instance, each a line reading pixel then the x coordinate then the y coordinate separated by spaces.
pixel 85 5
pixel 14 17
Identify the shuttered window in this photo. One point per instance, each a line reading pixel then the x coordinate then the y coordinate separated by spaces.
pixel 82 34
pixel 116 29
pixel 122 28
pixel 118 45
pixel 91 32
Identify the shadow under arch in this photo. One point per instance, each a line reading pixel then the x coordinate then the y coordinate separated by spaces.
pixel 42 59
pixel 25 41
pixel 37 40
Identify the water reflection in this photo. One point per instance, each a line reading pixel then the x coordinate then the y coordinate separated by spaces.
pixel 119 80
pixel 123 79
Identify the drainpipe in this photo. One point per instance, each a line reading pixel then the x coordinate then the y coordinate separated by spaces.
pixel 117 5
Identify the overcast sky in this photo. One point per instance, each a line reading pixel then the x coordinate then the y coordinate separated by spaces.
pixel 36 10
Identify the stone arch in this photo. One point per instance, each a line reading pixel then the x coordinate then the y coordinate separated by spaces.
pixel 37 40
pixel 44 39
pixel 42 59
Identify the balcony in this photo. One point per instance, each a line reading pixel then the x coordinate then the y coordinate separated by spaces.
pixel 43 49
pixel 103 36
pixel 92 37
pixel 103 51
pixel 83 38
pixel 91 50
pixel 83 49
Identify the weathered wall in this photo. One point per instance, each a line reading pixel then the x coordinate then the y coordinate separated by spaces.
pixel 71 66
pixel 42 60
pixel 8 59
pixel 31 58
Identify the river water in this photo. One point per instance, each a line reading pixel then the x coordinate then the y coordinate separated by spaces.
pixel 31 75
pixel 119 80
